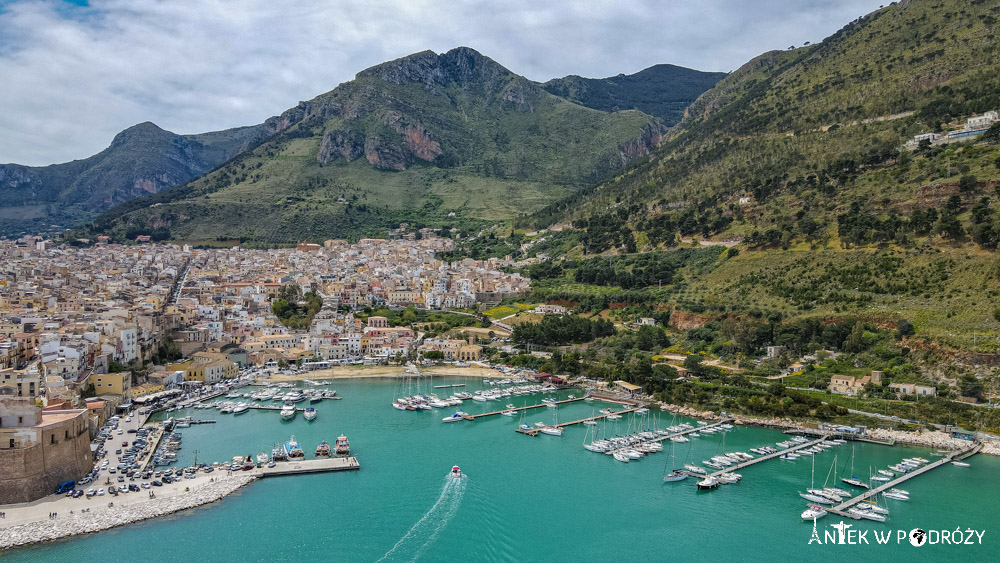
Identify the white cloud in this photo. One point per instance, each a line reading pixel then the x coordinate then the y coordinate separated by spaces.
pixel 75 76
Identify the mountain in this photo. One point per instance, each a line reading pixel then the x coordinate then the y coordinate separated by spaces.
pixel 663 90
pixel 806 145
pixel 452 139
pixel 141 160
pixel 800 159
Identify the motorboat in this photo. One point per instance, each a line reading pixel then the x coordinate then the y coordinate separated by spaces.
pixel 708 483
pixel 590 422
pixel 454 417
pixel 310 413
pixel 288 412
pixel 551 430
pixel 342 446
pixel 880 478
pixel 895 496
pixel 695 469
pixel 509 412
pixel 871 506
pixel 900 491
pixel 960 464
pixel 814 512
pixel 620 457
pixel 456 473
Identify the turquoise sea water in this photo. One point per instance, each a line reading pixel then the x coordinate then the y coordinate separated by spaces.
pixel 525 499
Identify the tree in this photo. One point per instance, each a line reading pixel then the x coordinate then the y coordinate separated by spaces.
pixel 904 327
pixel 967 183
pixel 855 341
pixel 970 386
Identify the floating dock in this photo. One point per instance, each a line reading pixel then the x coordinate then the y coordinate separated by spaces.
pixel 320 465
pixel 760 459
pixel 519 409
pixel 842 508
pixel 663 437
pixel 536 430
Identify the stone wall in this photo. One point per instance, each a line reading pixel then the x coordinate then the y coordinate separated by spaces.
pixel 27 474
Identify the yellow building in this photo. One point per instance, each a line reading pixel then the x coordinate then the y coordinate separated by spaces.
pixel 113 383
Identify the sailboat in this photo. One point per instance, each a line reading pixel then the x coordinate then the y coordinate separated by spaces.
pixel 676 474
pixel 553 430
pixel 852 480
pixel 812 494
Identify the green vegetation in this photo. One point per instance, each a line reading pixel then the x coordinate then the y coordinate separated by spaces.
pixel 140 160
pixel 556 330
pixel 295 310
pixel 663 90
pixel 483 145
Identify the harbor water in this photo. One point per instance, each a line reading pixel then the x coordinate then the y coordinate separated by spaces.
pixel 524 498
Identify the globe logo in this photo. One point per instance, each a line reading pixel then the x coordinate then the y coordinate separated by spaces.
pixel 918 537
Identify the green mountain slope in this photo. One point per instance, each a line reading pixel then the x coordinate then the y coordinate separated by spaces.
pixel 438 140
pixel 664 90
pixel 142 159
pixel 803 146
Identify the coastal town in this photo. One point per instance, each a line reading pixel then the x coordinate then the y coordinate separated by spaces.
pixel 79 325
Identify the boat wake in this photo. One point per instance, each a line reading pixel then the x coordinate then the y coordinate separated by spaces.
pixel 430 525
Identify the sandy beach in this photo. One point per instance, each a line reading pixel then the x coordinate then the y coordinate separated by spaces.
pixel 351 372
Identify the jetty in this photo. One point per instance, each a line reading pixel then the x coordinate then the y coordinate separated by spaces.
pixel 536 430
pixel 319 465
pixel 842 508
pixel 760 459
pixel 524 408
pixel 663 437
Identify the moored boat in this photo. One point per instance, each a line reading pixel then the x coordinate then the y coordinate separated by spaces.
pixel 323 449
pixel 342 446
pixel 310 413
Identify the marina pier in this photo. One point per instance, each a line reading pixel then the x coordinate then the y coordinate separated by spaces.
pixel 519 409
pixel 324 465
pixel 842 508
pixel 535 431
pixel 675 434
pixel 760 459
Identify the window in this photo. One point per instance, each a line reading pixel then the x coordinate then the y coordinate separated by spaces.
pixel 20 420
pixel 52 438
pixel 11 442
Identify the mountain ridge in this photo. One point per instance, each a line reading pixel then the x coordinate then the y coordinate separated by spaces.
pixel 468 139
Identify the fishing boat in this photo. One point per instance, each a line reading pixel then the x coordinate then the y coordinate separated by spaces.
pixel 814 512
pixel 310 413
pixel 293 450
pixel 323 449
pixel 343 446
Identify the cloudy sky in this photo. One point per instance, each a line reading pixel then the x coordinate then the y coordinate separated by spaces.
pixel 76 73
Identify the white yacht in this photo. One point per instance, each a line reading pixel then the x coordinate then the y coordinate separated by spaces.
pixel 551 430
pixel 814 512
pixel 288 412
pixel 310 413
